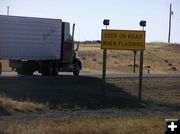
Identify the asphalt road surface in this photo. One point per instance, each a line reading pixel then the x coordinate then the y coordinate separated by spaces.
pixel 99 75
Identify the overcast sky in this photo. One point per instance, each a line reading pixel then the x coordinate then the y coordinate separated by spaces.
pixel 89 14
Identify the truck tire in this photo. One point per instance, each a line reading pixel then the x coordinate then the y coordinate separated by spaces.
pixel 77 68
pixel 55 69
pixel 24 72
pixel 19 71
pixel 0 68
pixel 50 68
pixel 25 68
pixel 28 71
pixel 45 71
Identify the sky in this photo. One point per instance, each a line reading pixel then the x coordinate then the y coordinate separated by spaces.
pixel 88 15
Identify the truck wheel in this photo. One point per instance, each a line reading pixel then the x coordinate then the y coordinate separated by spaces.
pixel 76 73
pixel 50 68
pixel 45 73
pixel 44 68
pixel 23 71
pixel 0 68
pixel 55 69
pixel 77 69
pixel 28 72
pixel 25 68
pixel 19 70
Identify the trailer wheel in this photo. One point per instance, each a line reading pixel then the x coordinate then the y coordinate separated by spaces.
pixel 25 68
pixel 55 69
pixel 0 68
pixel 45 73
pixel 19 70
pixel 77 69
pixel 23 71
pixel 50 68
pixel 28 72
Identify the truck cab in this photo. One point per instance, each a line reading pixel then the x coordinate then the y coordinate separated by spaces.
pixel 69 53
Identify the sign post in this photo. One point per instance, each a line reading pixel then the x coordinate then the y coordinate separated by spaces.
pixel 134 66
pixel 140 76
pixel 106 23
pixel 143 24
pixel 104 65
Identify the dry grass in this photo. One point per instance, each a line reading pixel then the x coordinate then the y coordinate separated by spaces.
pixel 165 91
pixel 9 106
pixel 5 66
pixel 161 97
pixel 88 125
pixel 156 55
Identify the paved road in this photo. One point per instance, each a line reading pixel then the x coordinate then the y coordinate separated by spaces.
pixel 99 75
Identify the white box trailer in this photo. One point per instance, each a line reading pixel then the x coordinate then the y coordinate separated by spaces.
pixel 38 44
pixel 25 38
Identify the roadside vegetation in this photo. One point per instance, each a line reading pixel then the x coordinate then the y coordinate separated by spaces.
pixel 158 58
pixel 160 101
pixel 156 91
pixel 9 106
pixel 90 125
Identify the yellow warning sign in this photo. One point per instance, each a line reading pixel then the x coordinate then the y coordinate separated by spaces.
pixel 123 39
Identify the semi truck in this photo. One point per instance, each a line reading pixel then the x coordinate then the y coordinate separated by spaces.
pixel 38 44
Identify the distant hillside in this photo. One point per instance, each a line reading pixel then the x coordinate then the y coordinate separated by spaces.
pixel 158 58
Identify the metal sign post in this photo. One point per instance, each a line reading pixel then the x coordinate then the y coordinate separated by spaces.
pixel 140 76
pixel 106 23
pixel 143 24
pixel 104 65
pixel 134 67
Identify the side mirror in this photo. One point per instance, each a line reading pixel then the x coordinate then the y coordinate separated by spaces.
pixel 73 29
pixel 77 48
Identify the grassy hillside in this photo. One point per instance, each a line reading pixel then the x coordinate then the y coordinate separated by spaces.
pixel 158 58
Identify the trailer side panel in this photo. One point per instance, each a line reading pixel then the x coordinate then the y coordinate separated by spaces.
pixel 27 38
